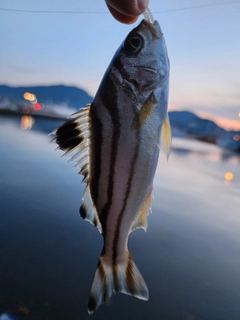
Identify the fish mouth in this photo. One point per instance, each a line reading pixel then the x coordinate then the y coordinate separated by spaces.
pixel 154 28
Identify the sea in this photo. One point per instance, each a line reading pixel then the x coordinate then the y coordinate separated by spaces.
pixel 189 256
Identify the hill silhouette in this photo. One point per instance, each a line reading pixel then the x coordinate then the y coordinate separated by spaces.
pixel 57 94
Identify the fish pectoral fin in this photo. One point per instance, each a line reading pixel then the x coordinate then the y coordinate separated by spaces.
pixel 166 136
pixel 73 138
pixel 124 277
pixel 143 114
pixel 87 210
pixel 141 219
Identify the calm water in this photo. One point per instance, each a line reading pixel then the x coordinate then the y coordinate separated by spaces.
pixel 189 257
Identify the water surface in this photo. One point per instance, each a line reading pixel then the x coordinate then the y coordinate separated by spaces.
pixel 189 257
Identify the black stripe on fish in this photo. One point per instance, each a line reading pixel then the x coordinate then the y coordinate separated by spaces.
pixel 95 157
pixel 110 188
pixel 120 217
pixel 69 135
pixel 110 94
pixel 115 277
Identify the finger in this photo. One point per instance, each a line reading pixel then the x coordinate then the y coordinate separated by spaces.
pixel 121 17
pixel 131 8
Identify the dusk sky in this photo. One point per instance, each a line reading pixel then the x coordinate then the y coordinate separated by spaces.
pixel 76 48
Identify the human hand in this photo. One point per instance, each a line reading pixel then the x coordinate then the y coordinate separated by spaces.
pixel 126 11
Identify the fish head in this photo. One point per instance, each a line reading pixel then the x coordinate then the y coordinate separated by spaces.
pixel 141 62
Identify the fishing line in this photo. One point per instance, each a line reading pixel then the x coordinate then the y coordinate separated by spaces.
pixel 52 11
pixel 97 12
pixel 198 6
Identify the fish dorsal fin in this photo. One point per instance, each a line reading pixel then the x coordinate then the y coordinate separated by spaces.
pixel 166 136
pixel 73 138
pixel 141 219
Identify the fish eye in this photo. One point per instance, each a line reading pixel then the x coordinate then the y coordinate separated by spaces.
pixel 133 45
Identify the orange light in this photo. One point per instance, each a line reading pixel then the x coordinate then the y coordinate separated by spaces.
pixel 236 137
pixel 30 97
pixel 27 96
pixel 228 176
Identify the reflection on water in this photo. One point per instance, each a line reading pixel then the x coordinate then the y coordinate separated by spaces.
pixel 228 176
pixel 27 122
pixel 189 256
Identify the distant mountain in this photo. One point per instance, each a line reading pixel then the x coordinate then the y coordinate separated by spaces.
pixel 183 123
pixel 57 94
pixel 191 124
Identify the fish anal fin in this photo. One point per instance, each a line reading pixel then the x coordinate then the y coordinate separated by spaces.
pixel 141 219
pixel 166 136
pixel 124 277
pixel 87 210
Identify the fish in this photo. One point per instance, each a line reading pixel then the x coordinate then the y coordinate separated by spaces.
pixel 115 142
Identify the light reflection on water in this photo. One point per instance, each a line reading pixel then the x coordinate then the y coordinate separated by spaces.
pixel 190 256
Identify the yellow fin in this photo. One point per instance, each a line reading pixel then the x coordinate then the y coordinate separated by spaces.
pixel 145 111
pixel 141 219
pixel 166 136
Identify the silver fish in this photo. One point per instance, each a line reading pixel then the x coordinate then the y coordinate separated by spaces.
pixel 116 142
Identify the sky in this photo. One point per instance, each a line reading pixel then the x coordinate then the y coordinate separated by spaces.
pixel 75 49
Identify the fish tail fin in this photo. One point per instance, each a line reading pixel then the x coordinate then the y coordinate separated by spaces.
pixel 123 277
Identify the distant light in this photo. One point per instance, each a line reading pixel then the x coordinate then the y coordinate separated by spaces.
pixel 239 114
pixel 37 106
pixel 27 96
pixel 236 137
pixel 33 98
pixel 33 101
pixel 30 97
pixel 228 176
pixel 26 110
